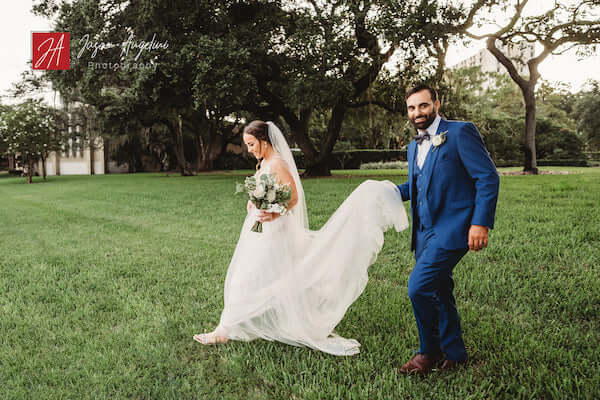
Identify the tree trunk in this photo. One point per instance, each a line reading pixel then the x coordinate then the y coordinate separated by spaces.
pixel 89 132
pixel 203 160
pixel 299 127
pixel 530 126
pixel 131 162
pixel 92 153
pixel 44 167
pixel 317 169
pixel 203 149
pixel 11 162
pixel 528 90
pixel 321 166
pixel 204 164
pixel 29 171
pixel 334 126
pixel 179 148
pixel 57 155
pixel 106 146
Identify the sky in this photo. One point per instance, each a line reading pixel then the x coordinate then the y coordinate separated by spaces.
pixel 17 22
pixel 567 68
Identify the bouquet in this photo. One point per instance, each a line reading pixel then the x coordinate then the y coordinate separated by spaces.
pixel 266 194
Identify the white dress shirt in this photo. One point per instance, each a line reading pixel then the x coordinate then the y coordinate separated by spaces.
pixel 423 148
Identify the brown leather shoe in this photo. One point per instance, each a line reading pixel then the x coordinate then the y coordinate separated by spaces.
pixel 448 365
pixel 420 364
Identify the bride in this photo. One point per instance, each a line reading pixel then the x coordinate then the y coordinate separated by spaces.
pixel 292 284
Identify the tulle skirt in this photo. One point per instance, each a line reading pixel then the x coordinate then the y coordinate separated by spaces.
pixel 294 285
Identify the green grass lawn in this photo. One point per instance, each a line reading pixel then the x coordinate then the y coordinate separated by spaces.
pixel 104 280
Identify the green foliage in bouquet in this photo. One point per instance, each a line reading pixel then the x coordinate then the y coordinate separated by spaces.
pixel 266 193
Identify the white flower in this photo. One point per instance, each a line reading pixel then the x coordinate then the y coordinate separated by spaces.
pixel 271 196
pixel 438 140
pixel 260 190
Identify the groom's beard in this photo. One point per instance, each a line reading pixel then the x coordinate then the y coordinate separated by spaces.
pixel 424 124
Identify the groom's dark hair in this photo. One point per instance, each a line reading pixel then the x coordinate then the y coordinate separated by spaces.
pixel 420 87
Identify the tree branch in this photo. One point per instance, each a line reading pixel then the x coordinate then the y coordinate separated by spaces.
pixel 507 62
pixel 364 82
pixel 471 16
pixel 378 103
pixel 515 18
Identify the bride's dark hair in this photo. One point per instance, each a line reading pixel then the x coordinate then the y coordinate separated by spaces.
pixel 260 130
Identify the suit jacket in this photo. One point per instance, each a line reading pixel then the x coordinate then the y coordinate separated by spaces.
pixel 461 186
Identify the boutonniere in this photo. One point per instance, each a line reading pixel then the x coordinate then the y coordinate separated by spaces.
pixel 438 140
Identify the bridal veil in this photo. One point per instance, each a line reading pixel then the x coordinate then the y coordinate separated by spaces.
pixel 294 285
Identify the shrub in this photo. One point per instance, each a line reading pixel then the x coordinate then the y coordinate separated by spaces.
pixel 230 161
pixel 385 165
pixel 593 155
pixel 563 163
pixel 353 159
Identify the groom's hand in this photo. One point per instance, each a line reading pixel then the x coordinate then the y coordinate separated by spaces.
pixel 478 237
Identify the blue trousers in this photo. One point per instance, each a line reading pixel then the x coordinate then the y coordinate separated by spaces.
pixel 430 290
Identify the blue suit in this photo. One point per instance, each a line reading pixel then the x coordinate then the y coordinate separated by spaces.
pixel 457 187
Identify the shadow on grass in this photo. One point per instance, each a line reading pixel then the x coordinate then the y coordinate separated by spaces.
pixel 23 181
pixel 240 172
pixel 19 180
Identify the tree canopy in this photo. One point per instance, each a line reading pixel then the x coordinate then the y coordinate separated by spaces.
pixel 296 63
pixel 322 70
pixel 558 27
pixel 588 118
pixel 31 130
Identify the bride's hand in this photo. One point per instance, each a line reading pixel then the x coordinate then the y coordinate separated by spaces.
pixel 264 216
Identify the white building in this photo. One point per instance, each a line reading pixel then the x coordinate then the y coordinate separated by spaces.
pixel 75 159
pixel 484 59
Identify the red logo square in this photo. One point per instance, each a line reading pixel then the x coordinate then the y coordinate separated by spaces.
pixel 50 50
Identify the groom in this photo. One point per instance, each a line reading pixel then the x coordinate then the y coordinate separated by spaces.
pixel 453 189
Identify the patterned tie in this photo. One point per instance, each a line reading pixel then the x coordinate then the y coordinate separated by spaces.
pixel 419 138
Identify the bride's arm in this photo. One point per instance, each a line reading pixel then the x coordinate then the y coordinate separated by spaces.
pixel 283 176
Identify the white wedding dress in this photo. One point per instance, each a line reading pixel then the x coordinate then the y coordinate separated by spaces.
pixel 294 285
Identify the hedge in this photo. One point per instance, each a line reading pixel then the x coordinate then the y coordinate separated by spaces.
pixel 351 159
pixel 546 163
